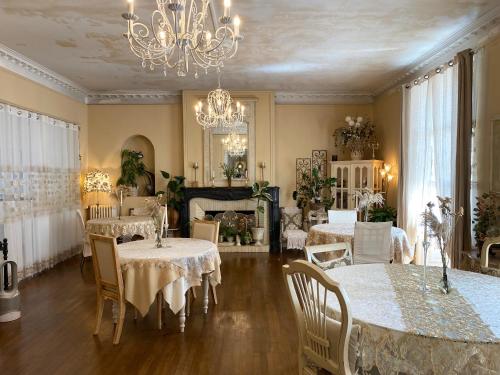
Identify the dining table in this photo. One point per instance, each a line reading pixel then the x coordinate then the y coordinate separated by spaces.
pixel 408 329
pixel 124 226
pixel 322 234
pixel 169 271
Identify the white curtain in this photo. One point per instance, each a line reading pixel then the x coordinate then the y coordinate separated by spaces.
pixel 39 188
pixel 428 146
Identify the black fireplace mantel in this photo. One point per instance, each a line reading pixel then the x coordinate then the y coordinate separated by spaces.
pixel 234 194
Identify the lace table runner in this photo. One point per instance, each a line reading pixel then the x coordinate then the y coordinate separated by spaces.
pixel 124 226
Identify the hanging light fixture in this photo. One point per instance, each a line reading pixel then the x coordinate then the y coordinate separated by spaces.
pixel 235 144
pixel 220 110
pixel 180 31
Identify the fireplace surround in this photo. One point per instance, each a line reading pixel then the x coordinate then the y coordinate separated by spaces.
pixel 272 213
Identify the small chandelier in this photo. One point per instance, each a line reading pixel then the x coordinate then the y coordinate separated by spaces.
pixel 221 112
pixel 180 31
pixel 235 145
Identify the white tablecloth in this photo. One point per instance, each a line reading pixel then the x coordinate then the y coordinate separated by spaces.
pixel 321 234
pixel 174 268
pixel 404 330
pixel 124 226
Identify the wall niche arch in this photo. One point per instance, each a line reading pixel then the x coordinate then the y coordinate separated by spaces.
pixel 141 143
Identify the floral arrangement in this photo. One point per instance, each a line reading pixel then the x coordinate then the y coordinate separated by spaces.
pixel 356 135
pixel 366 199
pixel 486 217
pixel 441 230
pixel 229 171
pixel 157 207
pixel 315 189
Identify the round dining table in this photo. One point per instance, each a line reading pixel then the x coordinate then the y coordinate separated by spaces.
pixel 321 234
pixel 173 269
pixel 122 226
pixel 406 330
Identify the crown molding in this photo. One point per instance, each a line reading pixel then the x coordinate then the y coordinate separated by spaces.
pixel 29 69
pixel 134 97
pixel 308 97
pixel 471 36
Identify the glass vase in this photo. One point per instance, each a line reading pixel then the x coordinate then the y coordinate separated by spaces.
pixel 158 239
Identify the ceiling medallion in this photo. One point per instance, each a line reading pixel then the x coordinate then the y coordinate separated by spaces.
pixel 235 144
pixel 182 31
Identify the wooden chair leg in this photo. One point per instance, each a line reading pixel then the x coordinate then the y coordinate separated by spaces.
pixel 159 298
pixel 136 313
pixel 193 292
pixel 82 262
pixel 214 293
pixel 100 308
pixel 188 303
pixel 119 326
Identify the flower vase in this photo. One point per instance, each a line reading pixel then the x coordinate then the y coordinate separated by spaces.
pixel 158 239
pixel 356 155
pixel 445 283
pixel 425 245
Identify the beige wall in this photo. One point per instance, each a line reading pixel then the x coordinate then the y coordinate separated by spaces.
pixel 27 94
pixel 387 112
pixel 303 128
pixel 110 126
pixel 491 108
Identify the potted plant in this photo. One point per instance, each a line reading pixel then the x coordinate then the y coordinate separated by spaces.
pixel 261 193
pixel 486 217
pixel 315 191
pixel 175 196
pixel 246 238
pixel 229 233
pixel 382 214
pixel 229 171
pixel 132 167
pixel 356 136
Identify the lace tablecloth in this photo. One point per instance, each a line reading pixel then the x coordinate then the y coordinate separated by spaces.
pixel 322 234
pixel 406 331
pixel 175 268
pixel 125 226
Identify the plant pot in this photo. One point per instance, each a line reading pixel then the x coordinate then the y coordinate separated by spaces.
pixel 221 238
pixel 238 240
pixel 230 239
pixel 258 235
pixel 173 218
pixel 133 191
pixel 356 155
pixel 229 181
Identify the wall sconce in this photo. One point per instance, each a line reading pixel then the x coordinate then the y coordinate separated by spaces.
pixel 195 167
pixel 386 179
pixel 262 166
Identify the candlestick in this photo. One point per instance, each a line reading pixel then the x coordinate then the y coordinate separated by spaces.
pixel 237 23
pixel 130 6
pixel 227 8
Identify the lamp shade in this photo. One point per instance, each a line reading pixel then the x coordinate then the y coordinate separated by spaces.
pixel 97 181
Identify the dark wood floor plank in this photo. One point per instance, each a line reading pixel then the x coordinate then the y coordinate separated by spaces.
pixel 250 331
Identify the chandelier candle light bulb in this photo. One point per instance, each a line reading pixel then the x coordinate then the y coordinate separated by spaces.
pixel 227 8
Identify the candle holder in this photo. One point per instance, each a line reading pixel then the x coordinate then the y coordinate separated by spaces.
pixel 195 167
pixel 262 166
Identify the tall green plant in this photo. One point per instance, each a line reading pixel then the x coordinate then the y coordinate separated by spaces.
pixel 314 188
pixel 132 167
pixel 261 193
pixel 486 217
pixel 175 190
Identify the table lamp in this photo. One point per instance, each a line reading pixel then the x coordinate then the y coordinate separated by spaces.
pixel 98 182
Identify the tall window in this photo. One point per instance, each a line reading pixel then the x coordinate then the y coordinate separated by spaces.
pixel 39 188
pixel 429 141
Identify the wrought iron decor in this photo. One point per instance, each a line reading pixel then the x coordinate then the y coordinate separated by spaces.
pixel 319 159
pixel 302 167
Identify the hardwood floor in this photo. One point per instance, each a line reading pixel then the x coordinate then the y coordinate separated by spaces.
pixel 251 330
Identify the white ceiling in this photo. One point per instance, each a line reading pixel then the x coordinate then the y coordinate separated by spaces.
pixel 302 45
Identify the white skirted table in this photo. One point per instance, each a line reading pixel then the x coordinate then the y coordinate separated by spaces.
pixel 404 330
pixel 123 226
pixel 321 234
pixel 173 269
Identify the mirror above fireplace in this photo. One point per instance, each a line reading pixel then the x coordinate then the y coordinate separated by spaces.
pixel 234 146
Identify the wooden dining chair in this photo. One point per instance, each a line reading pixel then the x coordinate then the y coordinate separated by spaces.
pixel 326 256
pixel 208 231
pixel 109 280
pixel 323 340
pixel 372 243
pixel 86 251
pixel 342 216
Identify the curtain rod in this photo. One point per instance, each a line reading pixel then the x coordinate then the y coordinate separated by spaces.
pixel 436 70
pixel 5 102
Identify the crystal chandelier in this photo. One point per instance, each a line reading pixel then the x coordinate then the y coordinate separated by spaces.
pixel 180 31
pixel 234 144
pixel 221 112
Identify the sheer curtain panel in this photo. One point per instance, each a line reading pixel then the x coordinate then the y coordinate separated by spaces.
pixel 428 151
pixel 39 188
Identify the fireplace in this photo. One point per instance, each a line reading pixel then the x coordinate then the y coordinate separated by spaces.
pixel 200 201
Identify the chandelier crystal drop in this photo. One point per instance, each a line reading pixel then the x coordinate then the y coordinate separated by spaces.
pixel 235 144
pixel 183 32
pixel 220 111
